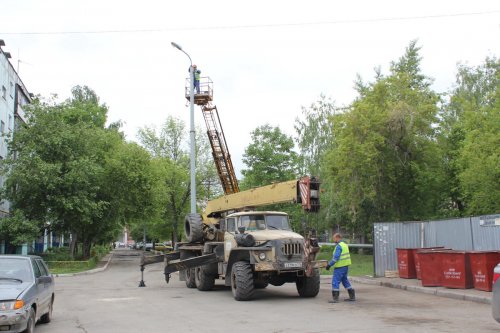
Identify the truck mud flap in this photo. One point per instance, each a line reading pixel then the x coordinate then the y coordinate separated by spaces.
pixel 176 265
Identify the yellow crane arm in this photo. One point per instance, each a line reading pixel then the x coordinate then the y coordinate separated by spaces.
pixel 304 191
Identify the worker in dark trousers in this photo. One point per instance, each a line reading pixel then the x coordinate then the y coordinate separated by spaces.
pixel 196 79
pixel 340 262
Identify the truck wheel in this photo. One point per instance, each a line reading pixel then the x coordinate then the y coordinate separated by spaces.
pixel 308 286
pixel 242 281
pixel 204 281
pixel 193 228
pixel 188 273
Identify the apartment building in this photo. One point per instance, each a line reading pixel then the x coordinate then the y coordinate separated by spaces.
pixel 13 98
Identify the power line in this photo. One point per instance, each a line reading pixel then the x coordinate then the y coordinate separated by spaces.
pixel 256 26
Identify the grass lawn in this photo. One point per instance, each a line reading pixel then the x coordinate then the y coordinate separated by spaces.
pixel 362 264
pixel 65 267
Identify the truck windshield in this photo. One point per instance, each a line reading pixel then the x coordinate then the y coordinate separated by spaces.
pixel 262 222
pixel 277 222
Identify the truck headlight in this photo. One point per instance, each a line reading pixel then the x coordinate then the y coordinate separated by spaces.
pixel 262 255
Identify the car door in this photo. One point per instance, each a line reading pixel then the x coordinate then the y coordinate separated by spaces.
pixel 41 298
pixel 48 281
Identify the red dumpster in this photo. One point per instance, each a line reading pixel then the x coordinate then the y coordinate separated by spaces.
pixel 416 258
pixel 456 272
pixel 482 264
pixel 430 267
pixel 406 263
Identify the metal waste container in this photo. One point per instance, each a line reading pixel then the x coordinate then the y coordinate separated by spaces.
pixel 416 259
pixel 430 267
pixel 456 270
pixel 482 264
pixel 406 263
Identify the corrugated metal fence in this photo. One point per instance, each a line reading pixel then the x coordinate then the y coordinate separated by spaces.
pixel 471 234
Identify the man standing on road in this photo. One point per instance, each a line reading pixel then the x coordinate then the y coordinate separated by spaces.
pixel 340 262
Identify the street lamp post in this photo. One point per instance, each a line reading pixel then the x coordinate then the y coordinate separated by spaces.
pixel 191 131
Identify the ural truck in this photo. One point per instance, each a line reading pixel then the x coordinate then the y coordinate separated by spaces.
pixel 248 249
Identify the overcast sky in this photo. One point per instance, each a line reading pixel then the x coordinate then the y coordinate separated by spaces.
pixel 267 59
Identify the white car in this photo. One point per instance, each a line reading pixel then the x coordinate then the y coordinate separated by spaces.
pixel 26 293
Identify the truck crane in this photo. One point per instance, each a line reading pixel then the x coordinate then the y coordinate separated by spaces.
pixel 231 241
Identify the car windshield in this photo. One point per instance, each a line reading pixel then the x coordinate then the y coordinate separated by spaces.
pixel 15 269
pixel 262 222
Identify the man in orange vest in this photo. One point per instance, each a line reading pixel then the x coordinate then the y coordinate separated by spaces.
pixel 340 262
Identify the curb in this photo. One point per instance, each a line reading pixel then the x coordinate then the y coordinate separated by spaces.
pixel 437 291
pixel 91 271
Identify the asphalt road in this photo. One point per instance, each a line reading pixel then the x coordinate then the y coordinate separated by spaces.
pixel 111 301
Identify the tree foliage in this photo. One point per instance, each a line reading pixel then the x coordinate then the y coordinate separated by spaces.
pixel 269 158
pixel 472 119
pixel 384 160
pixel 171 163
pixel 64 170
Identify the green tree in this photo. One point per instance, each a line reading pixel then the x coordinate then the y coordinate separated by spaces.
pixel 269 158
pixel 472 124
pixel 17 229
pixel 384 162
pixel 171 162
pixel 60 166
pixel 314 134
pixel 314 137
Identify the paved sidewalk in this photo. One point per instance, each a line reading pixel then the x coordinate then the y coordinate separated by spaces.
pixel 415 285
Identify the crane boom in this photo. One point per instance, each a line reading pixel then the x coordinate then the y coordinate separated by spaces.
pixel 304 191
pixel 220 152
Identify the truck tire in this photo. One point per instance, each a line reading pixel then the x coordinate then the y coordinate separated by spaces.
pixel 193 228
pixel 204 281
pixel 308 286
pixel 242 281
pixel 189 274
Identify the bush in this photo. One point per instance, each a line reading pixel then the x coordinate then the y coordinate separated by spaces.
pixel 59 260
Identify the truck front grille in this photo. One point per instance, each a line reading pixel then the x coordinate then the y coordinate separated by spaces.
pixel 290 249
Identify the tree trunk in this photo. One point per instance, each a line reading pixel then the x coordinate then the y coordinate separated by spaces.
pixel 174 233
pixel 86 245
pixel 72 244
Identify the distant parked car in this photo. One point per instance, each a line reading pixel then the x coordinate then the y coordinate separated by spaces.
pixel 165 247
pixel 26 293
pixel 495 300
pixel 148 247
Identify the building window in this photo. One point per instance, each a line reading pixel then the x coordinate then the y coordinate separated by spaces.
pixel 11 90
pixel 9 124
pixel 4 92
pixel 2 127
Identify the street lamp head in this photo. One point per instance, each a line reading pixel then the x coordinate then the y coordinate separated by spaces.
pixel 177 46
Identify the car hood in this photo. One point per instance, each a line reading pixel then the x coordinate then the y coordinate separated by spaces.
pixel 11 290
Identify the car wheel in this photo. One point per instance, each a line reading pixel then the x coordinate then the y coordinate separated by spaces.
pixel 30 328
pixel 46 318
